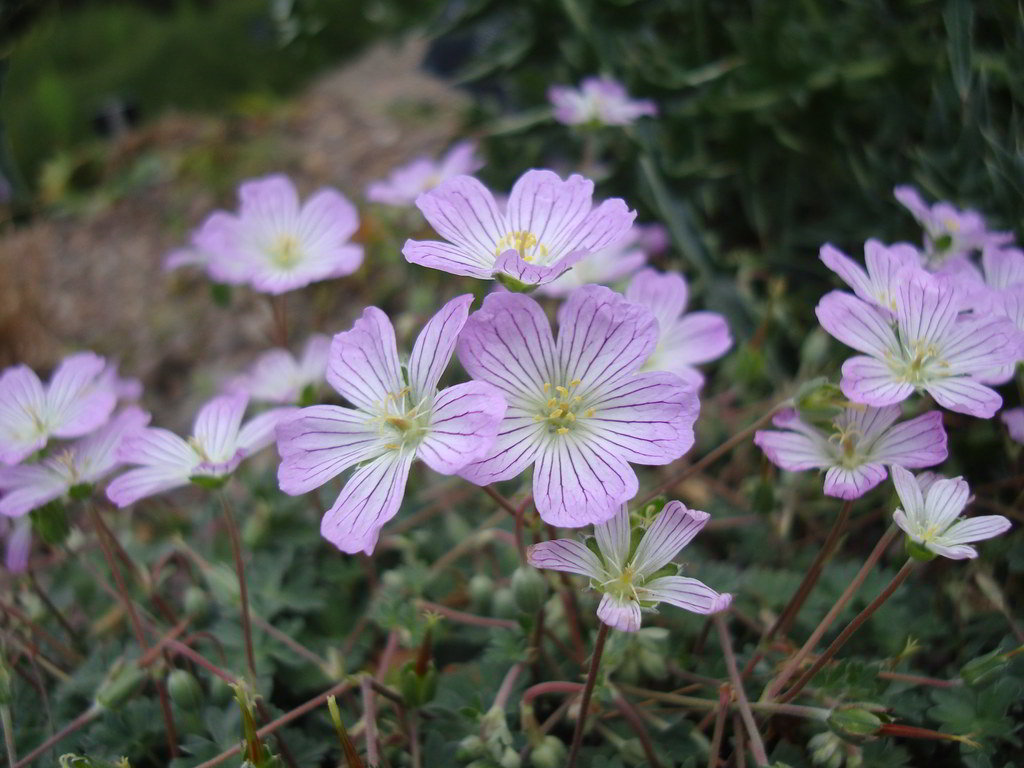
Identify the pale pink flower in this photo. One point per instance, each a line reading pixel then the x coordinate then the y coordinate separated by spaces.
pixel 278 377
pixel 1014 421
pixel 949 233
pixel 609 265
pixel 599 101
pixel 887 267
pixel 406 183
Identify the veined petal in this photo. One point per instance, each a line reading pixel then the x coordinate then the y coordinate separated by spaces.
pixel 566 555
pixel 434 346
pixel 511 263
pixel 945 501
pixel 508 343
pixel 577 482
pixel 975 529
pixel 887 268
pixel 920 442
pixel 620 614
pixel 142 482
pixel 607 225
pixel 318 443
pixel 965 395
pixel 449 258
pixel 647 418
pixel 158 447
pixel 852 483
pixel 269 205
pixel 1004 267
pixel 313 363
pixel 27 487
pixel 95 455
pixel 515 448
pixel 909 491
pixel 602 336
pixel 868 423
pixel 926 308
pixel 794 451
pixel 258 432
pixel 76 402
pixel 1014 421
pixel 689 594
pixel 954 552
pixel 22 405
pixel 856 323
pixel 550 209
pixel 216 427
pixel 665 294
pixel 463 426
pixel 973 345
pixel 849 271
pixel 363 365
pixel 674 528
pixel 698 337
pixel 870 381
pixel 369 499
pixel 613 538
pixel 327 219
pixel 463 212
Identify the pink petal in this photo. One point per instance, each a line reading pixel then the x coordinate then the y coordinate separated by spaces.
pixel 269 203
pixel 258 432
pixel 920 442
pixel 156 447
pixel 363 365
pixel 216 426
pixel 551 209
pixel 698 337
pixel 328 219
pixel 665 294
pixel 673 528
pixel 909 491
pixel 926 308
pixel 22 401
pixel 448 258
pixel 463 212
pixel 965 396
pixel 515 266
pixel 856 323
pixel 140 483
pixel 97 454
pixel 77 403
pixel 623 615
pixel 870 381
pixel 463 426
pixel 19 547
pixel 577 482
pixel 849 271
pixel 689 594
pixel 316 444
pixel 1004 267
pixel 793 451
pixel 844 483
pixel 613 538
pixel 435 345
pixel 973 345
pixel 566 555
pixel 515 448
pixel 976 529
pixel 27 487
pixel 1014 421
pixel 945 501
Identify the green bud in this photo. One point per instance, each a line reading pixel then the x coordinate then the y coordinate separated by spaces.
pixel 510 759
pixel 197 604
pixel 256 528
pixel 417 689
pixel 514 285
pixel 918 551
pixel 393 579
pixel 529 589
pixel 185 690
pixel 819 401
pixel 470 747
pixel 308 396
pixel 983 670
pixel 221 294
pixel 220 691
pixel 504 604
pixel 550 753
pixel 119 686
pixel 50 523
pixel 854 724
pixel 80 491
pixel 481 587
pixel 209 482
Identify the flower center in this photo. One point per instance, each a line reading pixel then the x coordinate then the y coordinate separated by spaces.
pixel 560 409
pixel 623 586
pixel 845 437
pixel 401 422
pixel 920 362
pixel 285 252
pixel 525 243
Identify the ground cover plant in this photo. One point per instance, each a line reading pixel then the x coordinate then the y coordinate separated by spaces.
pixel 630 441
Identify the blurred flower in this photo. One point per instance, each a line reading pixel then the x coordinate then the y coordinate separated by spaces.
pixel 930 515
pixel 949 233
pixel 1014 421
pixel 76 401
pixel 124 389
pixel 218 444
pixel 858 447
pixel 930 348
pixel 683 340
pixel 274 244
pixel 608 265
pixel 277 377
pixel 396 419
pixel 879 284
pixel 548 226
pixel 578 409
pixel 600 101
pixel 83 463
pixel 407 182
pixel 631 578
pixel 18 546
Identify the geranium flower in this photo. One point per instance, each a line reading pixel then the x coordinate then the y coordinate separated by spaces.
pixel 879 283
pixel 80 465
pixel 74 403
pixel 548 226
pixel 606 266
pixel 684 340
pixel 399 416
pixel 949 233
pixel 1014 421
pixel 631 578
pixel 930 348
pixel 406 183
pixel 218 444
pixel 274 244
pixel 277 377
pixel 18 545
pixel 858 447
pixel 578 410
pixel 930 515
pixel 599 101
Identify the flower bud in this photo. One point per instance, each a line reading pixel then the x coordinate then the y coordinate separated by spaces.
pixel 220 691
pixel 983 670
pixel 197 604
pixel 470 747
pixel 550 753
pixel 119 686
pixel 854 724
pixel 417 689
pixel 529 588
pixel 481 587
pixel 50 523
pixel 504 604
pixel 919 552
pixel 185 690
pixel 510 759
pixel 819 401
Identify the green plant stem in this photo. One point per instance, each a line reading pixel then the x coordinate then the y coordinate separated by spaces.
pixel 756 744
pixel 588 690
pixel 370 721
pixel 853 626
pixel 236 551
pixel 716 735
pixel 8 725
pixel 767 707
pixel 78 723
pixel 773 687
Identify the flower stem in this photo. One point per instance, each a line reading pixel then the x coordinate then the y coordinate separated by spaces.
pixel 236 551
pixel 279 308
pixel 78 723
pixel 8 725
pixel 773 688
pixel 852 627
pixel 588 690
pixel 756 744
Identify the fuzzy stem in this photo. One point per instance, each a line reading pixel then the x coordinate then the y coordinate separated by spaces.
pixel 716 735
pixel 8 725
pixel 501 698
pixel 852 627
pixel 466 618
pixel 767 707
pixel 370 721
pixel 756 744
pixel 236 551
pixel 773 688
pixel 588 690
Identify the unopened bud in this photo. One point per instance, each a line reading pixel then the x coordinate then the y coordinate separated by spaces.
pixel 529 588
pixel 854 724
pixel 504 604
pixel 119 686
pixel 550 753
pixel 470 747
pixel 918 551
pixel 197 604
pixel 510 759
pixel 819 401
pixel 50 523
pixel 417 689
pixel 185 690
pixel 983 670
pixel 481 587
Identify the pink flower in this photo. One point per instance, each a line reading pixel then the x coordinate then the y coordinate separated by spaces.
pixel 275 244
pixel 930 348
pixel 627 578
pixel 684 340
pixel 76 401
pixel 219 442
pixel 1014 421
pixel 277 377
pixel 886 266
pixel 607 266
pixel 857 448
pixel 930 515
pixel 548 226
pixel 578 410
pixel 600 101
pixel 83 463
pixel 421 175
pixel 399 416
pixel 19 545
pixel 949 233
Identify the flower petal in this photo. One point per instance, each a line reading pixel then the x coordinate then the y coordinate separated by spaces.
pixel 920 442
pixel 566 555
pixel 665 294
pixel 434 346
pixel 909 491
pixel 27 487
pixel 976 344
pixel 975 529
pixel 22 403
pixel 76 402
pixel 945 501
pixel 463 426
pixel 258 432
pixel 97 454
pixel 157 447
pixel 216 427
pixel 550 209
pixel 793 451
pixel 870 381
pixel 856 323
pixel 515 448
pixel 620 614
pixel 369 499
pixel 327 220
pixel 849 271
pixel 689 594
pixel 965 395
pixel 844 483
pixel 449 258
pixel 511 263
pixel 926 308
pixel 463 212
pixel 698 337
pixel 673 528
pixel 613 538
pixel 135 484
pixel 363 365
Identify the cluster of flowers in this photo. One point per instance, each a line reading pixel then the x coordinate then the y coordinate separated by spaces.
pixel 925 320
